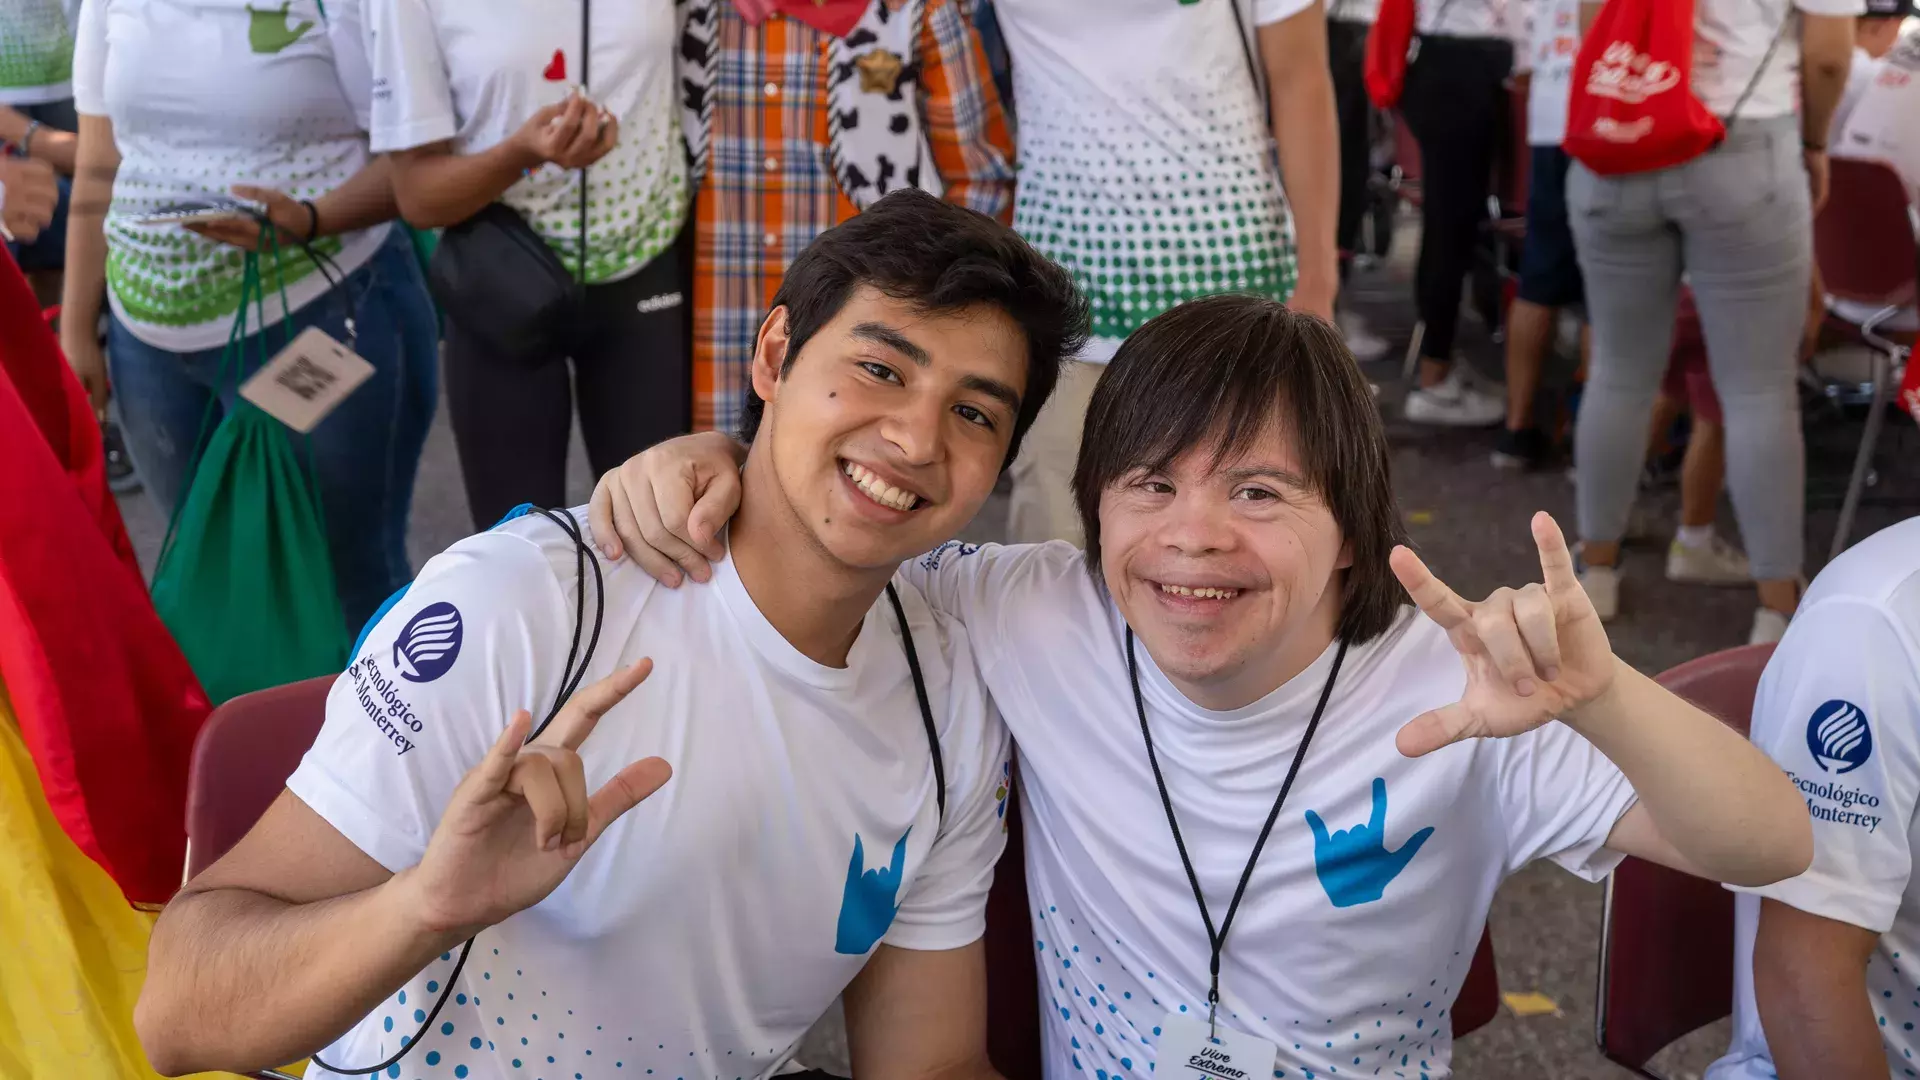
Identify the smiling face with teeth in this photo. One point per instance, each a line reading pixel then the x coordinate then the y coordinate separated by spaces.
pixel 886 434
pixel 1229 572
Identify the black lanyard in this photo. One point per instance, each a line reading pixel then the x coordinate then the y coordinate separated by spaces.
pixel 1218 939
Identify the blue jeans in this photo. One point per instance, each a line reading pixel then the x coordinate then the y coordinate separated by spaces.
pixel 1737 220
pixel 365 454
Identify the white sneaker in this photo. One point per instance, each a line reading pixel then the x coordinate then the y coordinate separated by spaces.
pixel 1717 563
pixel 1455 402
pixel 1603 589
pixel 1769 626
pixel 1362 342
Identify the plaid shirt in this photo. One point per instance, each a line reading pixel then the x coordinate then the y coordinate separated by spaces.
pixel 769 188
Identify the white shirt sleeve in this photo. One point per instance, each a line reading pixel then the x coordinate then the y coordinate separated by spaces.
pixel 90 59
pixel 1561 798
pixel 412 98
pixel 946 907
pixel 1839 709
pixel 1268 12
pixel 989 587
pixel 405 724
pixel 348 32
pixel 1832 7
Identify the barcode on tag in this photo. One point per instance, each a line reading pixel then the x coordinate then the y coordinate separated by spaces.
pixel 307 380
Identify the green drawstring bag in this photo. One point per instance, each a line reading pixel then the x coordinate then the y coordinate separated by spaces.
pixel 244 580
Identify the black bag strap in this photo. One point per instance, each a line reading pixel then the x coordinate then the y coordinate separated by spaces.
pixel 926 708
pixel 586 25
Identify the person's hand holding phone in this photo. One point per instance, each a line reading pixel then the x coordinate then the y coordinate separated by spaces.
pixel 243 230
pixel 572 134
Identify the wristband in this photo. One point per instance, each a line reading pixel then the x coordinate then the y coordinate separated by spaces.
pixel 26 140
pixel 313 220
pixel 1812 147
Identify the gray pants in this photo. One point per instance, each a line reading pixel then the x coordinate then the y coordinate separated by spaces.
pixel 1737 221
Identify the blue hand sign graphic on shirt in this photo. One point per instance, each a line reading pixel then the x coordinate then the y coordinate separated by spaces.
pixel 1354 865
pixel 868 905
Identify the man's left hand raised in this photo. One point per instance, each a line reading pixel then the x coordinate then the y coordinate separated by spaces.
pixel 1531 654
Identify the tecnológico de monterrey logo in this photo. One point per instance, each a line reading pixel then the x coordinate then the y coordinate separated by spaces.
pixel 1838 737
pixel 429 643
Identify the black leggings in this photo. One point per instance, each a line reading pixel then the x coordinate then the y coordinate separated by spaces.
pixel 631 376
pixel 1347 52
pixel 1456 108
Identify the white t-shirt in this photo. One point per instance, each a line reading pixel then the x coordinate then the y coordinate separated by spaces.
pixel 1473 18
pixel 473 71
pixel 1361 11
pixel 1553 43
pixel 1839 709
pixel 1349 947
pixel 1145 163
pixel 1880 117
pixel 1730 38
pixel 712 925
pixel 36 52
pixel 205 94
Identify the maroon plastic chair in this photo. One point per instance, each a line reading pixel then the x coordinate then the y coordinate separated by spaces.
pixel 1479 1000
pixel 1013 992
pixel 241 761
pixel 1864 243
pixel 1666 938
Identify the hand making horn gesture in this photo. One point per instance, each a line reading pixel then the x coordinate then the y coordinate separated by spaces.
pixel 1532 654
pixel 522 818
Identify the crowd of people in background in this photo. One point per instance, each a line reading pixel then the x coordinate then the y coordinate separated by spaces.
pixel 567 213
pixel 673 159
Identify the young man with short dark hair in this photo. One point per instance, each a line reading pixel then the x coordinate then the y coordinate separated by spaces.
pixel 1366 774
pixel 811 704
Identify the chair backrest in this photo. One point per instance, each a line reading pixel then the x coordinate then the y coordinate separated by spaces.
pixel 1013 992
pixel 1479 1000
pixel 1666 938
pixel 1863 238
pixel 241 761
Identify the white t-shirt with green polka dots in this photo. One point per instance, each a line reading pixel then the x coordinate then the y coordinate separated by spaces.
pixel 205 94
pixel 36 52
pixel 1144 163
pixel 473 71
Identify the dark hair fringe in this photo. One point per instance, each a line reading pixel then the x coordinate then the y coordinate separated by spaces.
pixel 937 257
pixel 1221 372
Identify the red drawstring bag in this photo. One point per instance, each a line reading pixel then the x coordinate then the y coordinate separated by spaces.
pixel 1388 45
pixel 1632 107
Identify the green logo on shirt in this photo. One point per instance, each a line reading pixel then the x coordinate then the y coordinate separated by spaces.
pixel 269 33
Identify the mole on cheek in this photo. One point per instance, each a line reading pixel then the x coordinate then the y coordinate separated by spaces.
pixel 833 395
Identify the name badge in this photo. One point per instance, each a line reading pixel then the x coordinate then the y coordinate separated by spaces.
pixel 1192 1051
pixel 307 380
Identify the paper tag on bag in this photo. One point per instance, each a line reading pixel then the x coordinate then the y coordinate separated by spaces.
pixel 308 380
pixel 1190 1051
